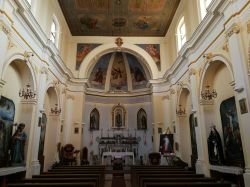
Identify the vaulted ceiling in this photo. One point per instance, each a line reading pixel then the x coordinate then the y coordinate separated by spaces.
pixel 118 17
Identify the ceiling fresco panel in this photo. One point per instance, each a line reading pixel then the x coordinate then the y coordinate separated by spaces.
pixel 118 17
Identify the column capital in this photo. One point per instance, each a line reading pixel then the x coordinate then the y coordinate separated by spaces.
pixel 4 28
pixel 234 29
pixel 70 97
pixel 192 71
pixel 44 70
pixel 248 27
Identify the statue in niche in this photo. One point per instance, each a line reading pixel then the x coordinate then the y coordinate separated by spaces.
pixel 118 117
pixel 215 150
pixel 17 148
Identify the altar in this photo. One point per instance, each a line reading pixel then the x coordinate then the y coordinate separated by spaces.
pixel 118 155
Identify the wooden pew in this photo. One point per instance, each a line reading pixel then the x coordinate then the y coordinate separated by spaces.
pixel 98 176
pixel 83 184
pixel 171 180
pixel 186 184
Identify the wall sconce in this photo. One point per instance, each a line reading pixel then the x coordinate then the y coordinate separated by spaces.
pixel 56 110
pixel 208 94
pixel 28 93
pixel 180 111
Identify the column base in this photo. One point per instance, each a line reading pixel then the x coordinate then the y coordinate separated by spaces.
pixel 35 167
pixel 202 168
pixel 246 176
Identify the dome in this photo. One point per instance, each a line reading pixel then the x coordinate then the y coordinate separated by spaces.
pixel 118 72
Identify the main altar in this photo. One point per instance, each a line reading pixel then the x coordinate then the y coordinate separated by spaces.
pixel 118 146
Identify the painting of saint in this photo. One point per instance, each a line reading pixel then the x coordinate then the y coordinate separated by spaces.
pixel 7 113
pixel 154 51
pixel 231 132
pixel 94 120
pixel 138 75
pixel 118 80
pixel 166 143
pixel 82 51
pixel 141 120
pixel 98 75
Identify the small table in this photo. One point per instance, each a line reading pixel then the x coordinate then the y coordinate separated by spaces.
pixel 118 155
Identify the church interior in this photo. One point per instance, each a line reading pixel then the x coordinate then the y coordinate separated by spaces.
pixel 128 93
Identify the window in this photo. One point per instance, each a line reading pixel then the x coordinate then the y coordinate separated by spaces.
pixel 181 33
pixel 203 7
pixel 54 32
pixel 29 1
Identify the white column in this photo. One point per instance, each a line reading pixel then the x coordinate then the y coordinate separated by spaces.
pixel 167 121
pixel 68 119
pixel 37 130
pixel 29 118
pixel 5 26
pixel 236 51
pixel 202 164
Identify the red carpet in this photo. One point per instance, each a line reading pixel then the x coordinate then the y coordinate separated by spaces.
pixel 118 181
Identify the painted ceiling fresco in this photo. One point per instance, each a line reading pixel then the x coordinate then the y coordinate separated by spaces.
pixel 118 17
pixel 114 71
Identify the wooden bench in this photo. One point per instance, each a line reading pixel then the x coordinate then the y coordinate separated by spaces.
pixel 83 184
pixel 171 180
pixel 186 184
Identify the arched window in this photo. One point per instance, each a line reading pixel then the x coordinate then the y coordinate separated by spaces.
pixel 203 7
pixel 54 31
pixel 141 120
pixel 181 33
pixel 94 120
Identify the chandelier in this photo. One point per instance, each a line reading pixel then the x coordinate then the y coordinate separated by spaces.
pixel 28 93
pixel 56 110
pixel 180 111
pixel 208 94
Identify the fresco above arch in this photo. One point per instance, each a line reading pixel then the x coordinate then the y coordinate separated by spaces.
pixel 118 78
pixel 82 51
pixel 138 76
pixel 154 51
pixel 98 75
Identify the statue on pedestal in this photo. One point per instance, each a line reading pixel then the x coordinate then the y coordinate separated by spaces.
pixel 215 150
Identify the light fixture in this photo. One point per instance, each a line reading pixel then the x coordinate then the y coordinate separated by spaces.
pixel 180 111
pixel 208 94
pixel 28 93
pixel 56 110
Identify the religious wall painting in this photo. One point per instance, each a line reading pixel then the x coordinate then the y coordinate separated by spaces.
pixel 138 75
pixel 154 51
pixel 142 120
pixel 118 117
pixel 231 133
pixel 150 6
pixel 7 114
pixel 94 120
pixel 166 143
pixel 118 79
pixel 82 51
pixel 98 75
pixel 90 5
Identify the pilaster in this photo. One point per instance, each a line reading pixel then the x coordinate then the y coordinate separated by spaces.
pixel 242 89
pixel 202 164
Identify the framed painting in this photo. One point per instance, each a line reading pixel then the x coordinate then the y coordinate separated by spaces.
pixel 141 119
pixel 7 114
pixel 166 143
pixel 243 106
pixel 231 133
